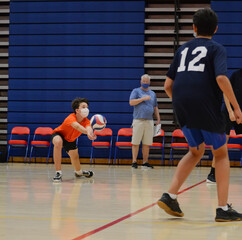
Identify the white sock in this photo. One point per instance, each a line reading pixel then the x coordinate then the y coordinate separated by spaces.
pixel 60 172
pixel 173 196
pixel 79 172
pixel 225 208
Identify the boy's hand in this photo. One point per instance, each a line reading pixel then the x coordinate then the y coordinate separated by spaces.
pixel 238 115
pixel 90 134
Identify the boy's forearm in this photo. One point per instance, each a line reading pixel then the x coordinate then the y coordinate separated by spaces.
pixel 227 89
pixel 227 103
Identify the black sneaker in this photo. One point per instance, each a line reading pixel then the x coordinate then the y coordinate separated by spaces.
pixel 87 174
pixel 57 177
pixel 227 216
pixel 211 178
pixel 134 165
pixel 147 165
pixel 171 206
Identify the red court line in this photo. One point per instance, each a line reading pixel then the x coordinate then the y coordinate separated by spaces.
pixel 128 216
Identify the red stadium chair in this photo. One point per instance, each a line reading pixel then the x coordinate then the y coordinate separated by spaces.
pixel 233 147
pixel 39 141
pixel 159 145
pixel 106 132
pixel 177 135
pixel 19 138
pixel 123 132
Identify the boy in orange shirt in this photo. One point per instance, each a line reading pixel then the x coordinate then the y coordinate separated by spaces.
pixel 66 134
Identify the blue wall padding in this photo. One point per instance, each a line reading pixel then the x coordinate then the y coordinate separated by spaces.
pixel 60 50
pixel 230 35
pixel 79 40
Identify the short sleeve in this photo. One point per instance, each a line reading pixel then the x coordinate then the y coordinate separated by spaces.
pixel 233 78
pixel 155 100
pixel 133 95
pixel 69 120
pixel 173 68
pixel 220 61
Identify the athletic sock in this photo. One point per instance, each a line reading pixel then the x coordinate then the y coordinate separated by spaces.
pixel 173 196
pixel 79 172
pixel 225 208
pixel 212 170
pixel 60 172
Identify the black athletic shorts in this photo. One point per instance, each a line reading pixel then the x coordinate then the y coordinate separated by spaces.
pixel 66 145
pixel 231 125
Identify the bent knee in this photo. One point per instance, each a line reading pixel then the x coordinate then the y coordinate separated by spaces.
pixel 197 152
pixel 57 142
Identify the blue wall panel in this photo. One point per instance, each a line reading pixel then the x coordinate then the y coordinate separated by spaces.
pixel 62 84
pixel 90 28
pixel 68 73
pixel 230 35
pixel 64 107
pixel 76 51
pixel 77 62
pixel 76 6
pixel 81 17
pixel 226 6
pixel 60 50
pixel 86 40
pixel 47 95
pixel 230 31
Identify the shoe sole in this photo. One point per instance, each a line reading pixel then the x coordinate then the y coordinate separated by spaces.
pixel 57 181
pixel 209 181
pixel 79 176
pixel 230 220
pixel 91 174
pixel 168 210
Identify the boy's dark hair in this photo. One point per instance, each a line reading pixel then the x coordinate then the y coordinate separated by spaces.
pixel 76 103
pixel 206 21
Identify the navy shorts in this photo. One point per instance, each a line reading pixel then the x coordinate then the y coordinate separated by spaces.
pixel 195 137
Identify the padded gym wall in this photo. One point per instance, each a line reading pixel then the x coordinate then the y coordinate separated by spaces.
pixel 60 50
pixel 229 31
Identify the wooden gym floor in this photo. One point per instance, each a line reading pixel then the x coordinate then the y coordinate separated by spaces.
pixel 118 203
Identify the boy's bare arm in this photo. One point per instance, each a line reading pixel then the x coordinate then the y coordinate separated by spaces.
pixel 227 89
pixel 79 127
pixel 168 87
pixel 229 108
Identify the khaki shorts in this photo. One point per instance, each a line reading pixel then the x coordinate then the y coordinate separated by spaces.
pixel 143 130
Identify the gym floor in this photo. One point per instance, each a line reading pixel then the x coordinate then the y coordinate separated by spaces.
pixel 117 203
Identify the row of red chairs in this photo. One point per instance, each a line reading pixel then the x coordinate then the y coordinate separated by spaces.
pixel 182 145
pixel 24 142
pixel 97 144
pixel 178 142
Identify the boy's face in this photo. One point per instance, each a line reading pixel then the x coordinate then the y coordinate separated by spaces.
pixel 81 106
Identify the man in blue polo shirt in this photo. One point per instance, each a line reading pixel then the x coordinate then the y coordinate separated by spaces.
pixel 145 105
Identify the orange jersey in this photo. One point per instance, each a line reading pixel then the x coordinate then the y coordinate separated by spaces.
pixel 67 131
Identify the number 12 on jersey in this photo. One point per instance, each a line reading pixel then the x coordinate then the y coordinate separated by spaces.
pixel 194 64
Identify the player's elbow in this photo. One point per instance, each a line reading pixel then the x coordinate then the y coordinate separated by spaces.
pixel 168 87
pixel 221 79
pixel 131 103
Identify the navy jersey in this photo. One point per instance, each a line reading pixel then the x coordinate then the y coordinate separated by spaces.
pixel 236 82
pixel 196 96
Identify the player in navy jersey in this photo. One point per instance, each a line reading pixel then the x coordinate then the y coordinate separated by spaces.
pixel 236 82
pixel 196 82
